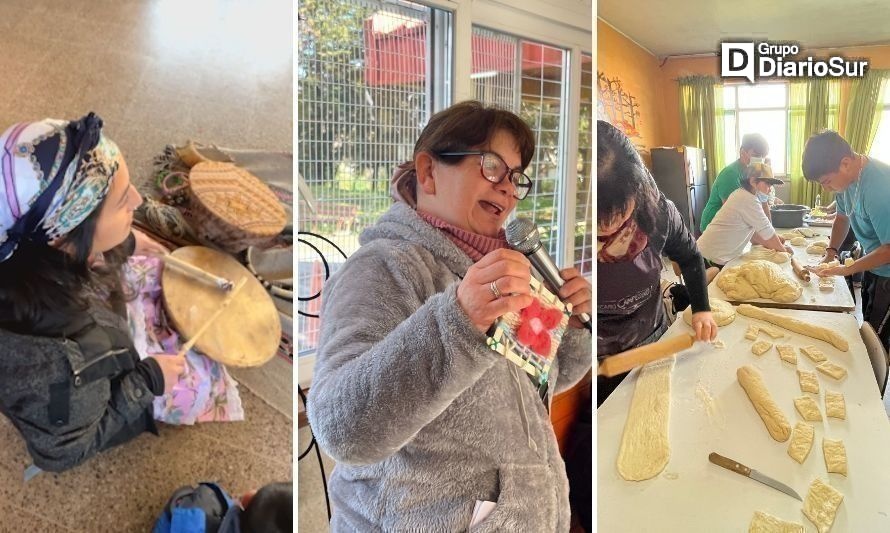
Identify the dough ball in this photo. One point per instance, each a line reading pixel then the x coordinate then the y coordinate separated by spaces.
pixel 758 279
pixel 722 311
pixel 798 241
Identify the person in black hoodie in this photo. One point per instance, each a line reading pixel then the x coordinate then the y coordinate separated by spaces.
pixel 71 381
pixel 636 225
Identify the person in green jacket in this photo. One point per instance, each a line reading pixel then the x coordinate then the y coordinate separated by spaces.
pixel 753 145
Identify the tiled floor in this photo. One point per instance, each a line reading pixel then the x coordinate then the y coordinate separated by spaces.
pixel 158 72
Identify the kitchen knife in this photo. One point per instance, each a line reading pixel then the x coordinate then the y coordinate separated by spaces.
pixel 739 468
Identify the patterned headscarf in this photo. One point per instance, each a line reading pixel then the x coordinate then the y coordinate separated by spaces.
pixel 54 175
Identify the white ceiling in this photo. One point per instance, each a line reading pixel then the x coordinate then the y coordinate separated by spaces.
pixel 674 27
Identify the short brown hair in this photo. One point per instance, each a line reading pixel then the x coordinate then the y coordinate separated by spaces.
pixel 471 124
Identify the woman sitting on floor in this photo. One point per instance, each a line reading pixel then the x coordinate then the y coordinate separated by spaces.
pixel 70 380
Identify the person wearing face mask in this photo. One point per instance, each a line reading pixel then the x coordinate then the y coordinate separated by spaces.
pixel 741 219
pixel 728 180
pixel 636 225
pixel 862 189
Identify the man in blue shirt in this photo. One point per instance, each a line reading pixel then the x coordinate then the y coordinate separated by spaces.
pixel 862 187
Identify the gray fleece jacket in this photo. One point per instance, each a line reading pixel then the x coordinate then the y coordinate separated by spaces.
pixel 422 417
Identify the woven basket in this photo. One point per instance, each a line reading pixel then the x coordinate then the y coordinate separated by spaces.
pixel 233 208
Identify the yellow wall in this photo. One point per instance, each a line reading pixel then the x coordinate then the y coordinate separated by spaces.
pixel 619 57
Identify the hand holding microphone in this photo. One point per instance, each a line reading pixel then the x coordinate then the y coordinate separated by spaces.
pixel 571 287
pixel 494 286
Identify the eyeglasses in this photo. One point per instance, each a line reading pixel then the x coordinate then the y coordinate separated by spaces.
pixel 494 169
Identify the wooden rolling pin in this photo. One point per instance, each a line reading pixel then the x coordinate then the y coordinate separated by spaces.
pixel 624 361
pixel 800 271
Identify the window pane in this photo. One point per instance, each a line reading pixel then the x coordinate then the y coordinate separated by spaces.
pixel 528 78
pixel 772 125
pixel 880 149
pixel 583 207
pixel 764 95
pixel 730 143
pixel 729 96
pixel 362 100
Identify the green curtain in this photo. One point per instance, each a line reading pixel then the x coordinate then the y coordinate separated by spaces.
pixel 864 111
pixel 698 119
pixel 815 106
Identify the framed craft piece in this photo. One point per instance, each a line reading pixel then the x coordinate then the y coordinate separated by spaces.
pixel 529 339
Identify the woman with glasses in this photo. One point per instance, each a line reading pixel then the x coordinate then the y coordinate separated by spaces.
pixel 636 226
pixel 432 430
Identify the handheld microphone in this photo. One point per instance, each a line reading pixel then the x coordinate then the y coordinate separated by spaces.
pixel 522 236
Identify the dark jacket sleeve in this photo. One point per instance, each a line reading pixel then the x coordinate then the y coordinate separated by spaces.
pixel 679 246
pixel 62 422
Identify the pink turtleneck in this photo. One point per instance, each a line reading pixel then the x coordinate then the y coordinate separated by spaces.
pixel 474 245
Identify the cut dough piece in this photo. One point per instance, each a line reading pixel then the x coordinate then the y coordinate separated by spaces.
pixel 835 456
pixel 808 408
pixel 787 353
pixel 758 279
pixel 821 243
pixel 820 505
pixel 835 406
pixel 760 347
pixel 831 369
pixel 826 284
pixel 809 382
pixel 788 235
pixel 798 241
pixel 815 354
pixel 775 333
pixel 795 325
pixel 758 252
pixel 645 449
pixel 807 232
pixel 801 441
pixel 722 311
pixel 766 523
pixel 848 261
pixel 776 423
pixel 815 249
pixel 751 332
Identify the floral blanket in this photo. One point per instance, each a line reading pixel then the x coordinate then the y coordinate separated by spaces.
pixel 206 392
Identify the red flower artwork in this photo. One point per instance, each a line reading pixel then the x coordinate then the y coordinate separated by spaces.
pixel 535 324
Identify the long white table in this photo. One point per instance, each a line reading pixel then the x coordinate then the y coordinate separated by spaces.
pixel 840 299
pixel 693 495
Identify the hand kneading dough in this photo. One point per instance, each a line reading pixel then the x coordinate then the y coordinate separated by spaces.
pixel 801 441
pixel 766 523
pixel 830 369
pixel 760 347
pixel 758 252
pixel 776 423
pixel 722 311
pixel 835 456
pixel 645 449
pixel 808 381
pixel 808 408
pixel 813 353
pixel 787 353
pixel 821 504
pixel 795 325
pixel 758 279
pixel 835 406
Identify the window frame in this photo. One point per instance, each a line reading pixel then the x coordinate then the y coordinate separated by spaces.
pixel 736 110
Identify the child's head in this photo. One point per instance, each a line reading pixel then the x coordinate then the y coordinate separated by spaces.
pixel 269 510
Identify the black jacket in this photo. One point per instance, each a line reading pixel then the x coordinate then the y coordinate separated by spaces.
pixel 73 385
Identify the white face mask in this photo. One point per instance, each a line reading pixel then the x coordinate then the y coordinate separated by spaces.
pixel 761 197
